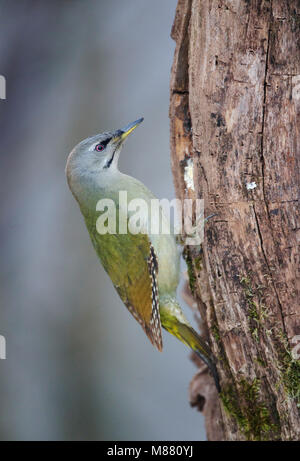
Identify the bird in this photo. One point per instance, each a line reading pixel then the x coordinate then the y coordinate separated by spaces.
pixel 143 266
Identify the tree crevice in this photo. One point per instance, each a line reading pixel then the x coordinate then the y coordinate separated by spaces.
pixel 235 112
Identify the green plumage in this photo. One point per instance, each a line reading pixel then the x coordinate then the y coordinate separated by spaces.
pixel 143 267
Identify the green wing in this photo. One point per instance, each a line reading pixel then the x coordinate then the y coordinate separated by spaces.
pixel 131 263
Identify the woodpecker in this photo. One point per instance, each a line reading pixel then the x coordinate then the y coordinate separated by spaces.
pixel 143 266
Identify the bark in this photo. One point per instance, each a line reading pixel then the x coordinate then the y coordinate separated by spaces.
pixel 234 110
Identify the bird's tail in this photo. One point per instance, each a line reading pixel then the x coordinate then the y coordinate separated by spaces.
pixel 180 328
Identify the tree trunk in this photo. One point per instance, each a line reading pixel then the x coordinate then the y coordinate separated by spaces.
pixel 234 110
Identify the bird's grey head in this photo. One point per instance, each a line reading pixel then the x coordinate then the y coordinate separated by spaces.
pixel 98 154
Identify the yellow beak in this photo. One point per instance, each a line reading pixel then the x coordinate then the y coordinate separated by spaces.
pixel 129 128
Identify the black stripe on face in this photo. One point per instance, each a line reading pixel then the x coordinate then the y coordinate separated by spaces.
pixel 112 157
pixel 105 142
pixel 110 161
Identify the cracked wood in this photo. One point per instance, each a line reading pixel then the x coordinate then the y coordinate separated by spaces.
pixel 235 106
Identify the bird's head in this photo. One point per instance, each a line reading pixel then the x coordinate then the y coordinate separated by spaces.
pixel 99 153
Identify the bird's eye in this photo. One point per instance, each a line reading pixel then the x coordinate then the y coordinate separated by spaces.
pixel 99 147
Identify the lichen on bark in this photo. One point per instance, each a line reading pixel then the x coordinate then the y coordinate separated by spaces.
pixel 234 112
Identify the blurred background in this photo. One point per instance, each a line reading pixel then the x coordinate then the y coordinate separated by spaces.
pixel 78 366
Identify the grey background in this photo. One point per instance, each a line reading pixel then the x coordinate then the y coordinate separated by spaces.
pixel 78 366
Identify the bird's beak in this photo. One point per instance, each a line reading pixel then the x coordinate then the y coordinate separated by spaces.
pixel 121 135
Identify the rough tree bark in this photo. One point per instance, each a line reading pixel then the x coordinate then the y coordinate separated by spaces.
pixel 234 110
